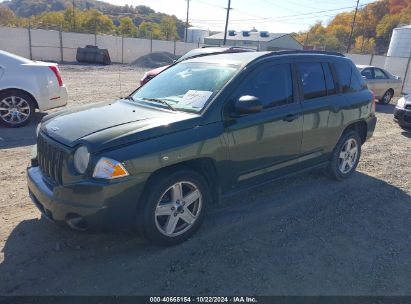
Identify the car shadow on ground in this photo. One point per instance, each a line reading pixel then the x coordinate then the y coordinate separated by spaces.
pixel 305 235
pixel 386 109
pixel 20 137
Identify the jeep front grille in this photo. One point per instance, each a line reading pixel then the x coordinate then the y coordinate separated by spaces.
pixel 50 159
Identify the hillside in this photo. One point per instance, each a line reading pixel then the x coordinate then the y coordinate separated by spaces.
pixel 372 31
pixel 139 14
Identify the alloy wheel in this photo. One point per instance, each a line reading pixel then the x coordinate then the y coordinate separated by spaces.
pixel 348 156
pixel 178 208
pixel 387 97
pixel 14 110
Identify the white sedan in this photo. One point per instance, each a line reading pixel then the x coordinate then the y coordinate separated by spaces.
pixel 27 85
pixel 384 85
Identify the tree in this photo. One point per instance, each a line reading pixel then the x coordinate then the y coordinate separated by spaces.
pixel 150 29
pixel 7 17
pixel 169 28
pixel 384 30
pixel 364 45
pixel 96 22
pixel 49 20
pixel 127 27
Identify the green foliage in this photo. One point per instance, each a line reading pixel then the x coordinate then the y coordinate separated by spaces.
pixel 372 31
pixel 7 17
pixel 150 29
pixel 91 16
pixel 127 27
pixel 169 28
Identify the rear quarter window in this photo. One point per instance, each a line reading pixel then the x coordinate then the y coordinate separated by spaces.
pixel 349 79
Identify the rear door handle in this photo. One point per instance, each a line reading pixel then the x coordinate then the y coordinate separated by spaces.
pixel 291 117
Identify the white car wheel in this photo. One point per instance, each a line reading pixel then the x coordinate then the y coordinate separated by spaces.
pixel 16 109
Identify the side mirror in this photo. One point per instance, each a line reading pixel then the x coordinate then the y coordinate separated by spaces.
pixel 247 105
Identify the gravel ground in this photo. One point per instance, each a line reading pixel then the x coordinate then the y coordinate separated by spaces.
pixel 306 235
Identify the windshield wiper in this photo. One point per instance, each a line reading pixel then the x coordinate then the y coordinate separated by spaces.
pixel 129 98
pixel 161 101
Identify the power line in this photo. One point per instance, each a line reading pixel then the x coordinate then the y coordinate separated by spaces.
pixel 266 20
pixel 287 17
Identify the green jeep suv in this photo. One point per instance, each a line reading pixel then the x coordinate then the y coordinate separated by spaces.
pixel 201 130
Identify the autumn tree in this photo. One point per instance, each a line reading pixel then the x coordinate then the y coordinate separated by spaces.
pixel 127 27
pixel 95 22
pixel 169 28
pixel 150 29
pixel 7 17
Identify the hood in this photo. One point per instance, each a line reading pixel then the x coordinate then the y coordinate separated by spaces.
pixel 106 125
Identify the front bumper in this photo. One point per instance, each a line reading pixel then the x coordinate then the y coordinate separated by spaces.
pixel 402 117
pixel 371 123
pixel 101 206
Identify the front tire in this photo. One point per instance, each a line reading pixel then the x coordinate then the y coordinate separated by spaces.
pixel 346 155
pixel 16 108
pixel 174 206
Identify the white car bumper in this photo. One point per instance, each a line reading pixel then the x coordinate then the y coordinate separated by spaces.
pixel 50 102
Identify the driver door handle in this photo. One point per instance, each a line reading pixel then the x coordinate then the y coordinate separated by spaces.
pixel 291 117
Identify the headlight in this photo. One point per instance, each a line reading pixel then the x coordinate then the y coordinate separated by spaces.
pixel 81 159
pixel 109 169
pixel 401 103
pixel 38 129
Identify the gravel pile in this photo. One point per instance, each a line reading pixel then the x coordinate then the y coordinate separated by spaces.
pixel 155 60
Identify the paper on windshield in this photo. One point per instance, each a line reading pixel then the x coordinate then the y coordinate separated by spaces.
pixel 195 99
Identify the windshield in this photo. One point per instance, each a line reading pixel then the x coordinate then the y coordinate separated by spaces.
pixel 186 86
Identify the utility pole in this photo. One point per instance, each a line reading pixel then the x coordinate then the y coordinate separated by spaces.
pixel 188 8
pixel 74 16
pixel 226 21
pixel 306 38
pixel 352 27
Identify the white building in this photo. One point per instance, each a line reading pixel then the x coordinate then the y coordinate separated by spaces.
pixel 262 41
pixel 400 44
pixel 196 34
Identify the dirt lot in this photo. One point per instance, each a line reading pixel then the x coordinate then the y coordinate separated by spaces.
pixel 306 235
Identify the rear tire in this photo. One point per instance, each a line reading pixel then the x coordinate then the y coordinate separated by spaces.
pixel 386 98
pixel 173 207
pixel 16 108
pixel 346 155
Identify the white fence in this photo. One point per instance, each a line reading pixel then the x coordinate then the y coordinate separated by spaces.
pixel 398 66
pixel 59 46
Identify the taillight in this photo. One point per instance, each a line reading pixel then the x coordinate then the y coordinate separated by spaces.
pixel 57 73
pixel 373 98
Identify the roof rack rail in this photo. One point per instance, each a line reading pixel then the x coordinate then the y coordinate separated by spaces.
pixel 285 52
pixel 241 48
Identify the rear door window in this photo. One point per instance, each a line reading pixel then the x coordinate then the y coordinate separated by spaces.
pixel 312 79
pixel 343 70
pixel 349 79
pixel 379 74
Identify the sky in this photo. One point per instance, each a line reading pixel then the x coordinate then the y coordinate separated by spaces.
pixel 265 15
